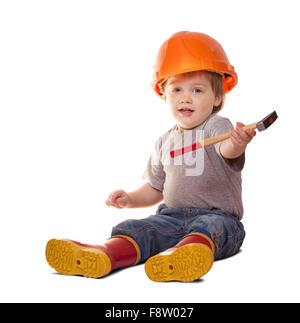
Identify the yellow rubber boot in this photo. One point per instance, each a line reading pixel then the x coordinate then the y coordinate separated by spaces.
pixel 70 257
pixel 189 260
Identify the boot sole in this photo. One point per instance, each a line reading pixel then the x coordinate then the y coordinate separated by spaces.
pixel 68 258
pixel 187 263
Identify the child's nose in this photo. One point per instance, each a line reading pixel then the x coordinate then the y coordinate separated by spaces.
pixel 185 99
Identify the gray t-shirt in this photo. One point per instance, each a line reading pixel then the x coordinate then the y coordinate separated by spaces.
pixel 200 178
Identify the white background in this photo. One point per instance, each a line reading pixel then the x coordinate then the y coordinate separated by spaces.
pixel 79 119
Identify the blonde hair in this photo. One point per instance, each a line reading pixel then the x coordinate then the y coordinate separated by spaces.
pixel 216 82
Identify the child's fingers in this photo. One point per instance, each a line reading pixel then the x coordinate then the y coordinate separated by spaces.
pixel 109 203
pixel 251 132
pixel 112 199
pixel 113 204
pixel 244 135
pixel 117 199
pixel 115 195
pixel 122 201
pixel 239 125
pixel 234 141
pixel 235 136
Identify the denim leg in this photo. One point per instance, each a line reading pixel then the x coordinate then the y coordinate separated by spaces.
pixel 225 230
pixel 152 234
pixel 165 229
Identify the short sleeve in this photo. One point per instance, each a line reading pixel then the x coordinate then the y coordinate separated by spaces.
pixel 154 172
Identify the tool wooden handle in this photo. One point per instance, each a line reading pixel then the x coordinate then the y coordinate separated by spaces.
pixel 207 142
pixel 223 136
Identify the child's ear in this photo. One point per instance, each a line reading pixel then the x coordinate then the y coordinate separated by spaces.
pixel 218 100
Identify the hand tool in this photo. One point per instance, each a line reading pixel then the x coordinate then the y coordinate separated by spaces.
pixel 260 126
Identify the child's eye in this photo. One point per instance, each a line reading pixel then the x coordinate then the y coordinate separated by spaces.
pixel 176 89
pixel 197 90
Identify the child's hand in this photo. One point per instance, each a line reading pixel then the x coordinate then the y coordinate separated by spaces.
pixel 237 142
pixel 240 138
pixel 118 199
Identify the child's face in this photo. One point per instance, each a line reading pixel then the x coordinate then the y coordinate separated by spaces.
pixel 191 98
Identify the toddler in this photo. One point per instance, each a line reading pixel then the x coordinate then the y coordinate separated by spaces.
pixel 199 220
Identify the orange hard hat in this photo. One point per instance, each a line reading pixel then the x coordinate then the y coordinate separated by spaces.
pixel 192 51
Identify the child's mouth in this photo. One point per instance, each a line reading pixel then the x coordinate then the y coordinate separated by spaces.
pixel 186 111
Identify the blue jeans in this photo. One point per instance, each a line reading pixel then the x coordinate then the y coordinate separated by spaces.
pixel 165 229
